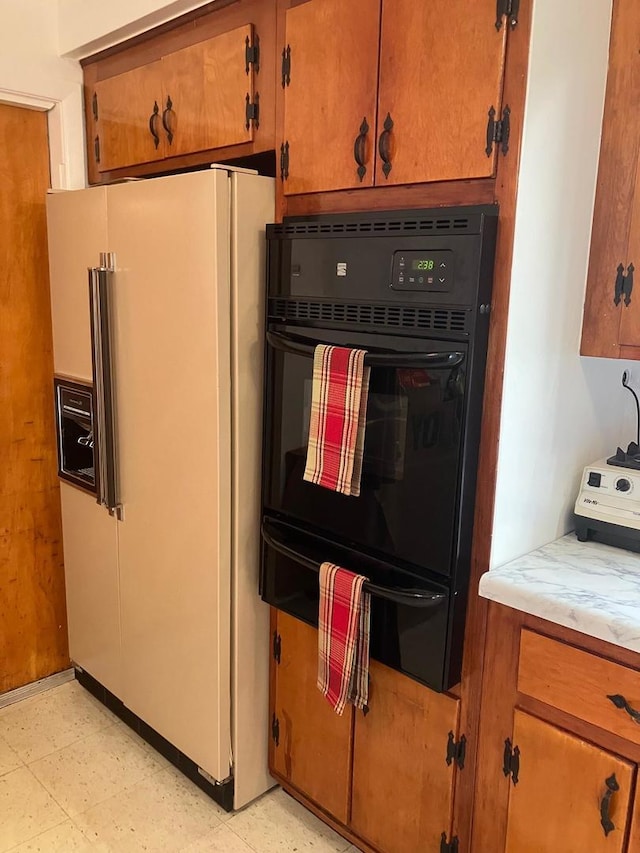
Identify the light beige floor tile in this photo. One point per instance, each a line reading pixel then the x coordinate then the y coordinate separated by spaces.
pixel 52 720
pixel 94 769
pixel 65 838
pixel 277 823
pixel 165 812
pixel 220 840
pixel 162 761
pixel 26 809
pixel 8 758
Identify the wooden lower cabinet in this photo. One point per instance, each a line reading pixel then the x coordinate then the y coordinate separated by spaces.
pixel 402 785
pixel 312 747
pixel 558 751
pixel 565 788
pixel 386 776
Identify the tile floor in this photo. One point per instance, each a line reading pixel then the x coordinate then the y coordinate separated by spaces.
pixel 73 778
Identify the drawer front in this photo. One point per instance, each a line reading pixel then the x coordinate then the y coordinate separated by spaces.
pixel 580 684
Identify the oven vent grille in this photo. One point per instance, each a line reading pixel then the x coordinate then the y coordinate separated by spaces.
pixel 393 316
pixel 457 225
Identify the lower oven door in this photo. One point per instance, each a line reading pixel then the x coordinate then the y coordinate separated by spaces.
pixel 409 616
pixel 408 508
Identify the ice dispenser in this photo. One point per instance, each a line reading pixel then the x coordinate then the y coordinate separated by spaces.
pixel 74 422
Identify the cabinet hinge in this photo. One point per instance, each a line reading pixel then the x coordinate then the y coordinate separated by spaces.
pixel 94 106
pixel 96 148
pixel 252 54
pixel 510 8
pixel 498 132
pixel 252 111
pixel 277 647
pixel 284 161
pixel 456 751
pixel 448 846
pixel 623 287
pixel 286 66
pixel 511 762
pixel 275 729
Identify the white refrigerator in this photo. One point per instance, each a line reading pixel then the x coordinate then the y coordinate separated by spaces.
pixel 162 591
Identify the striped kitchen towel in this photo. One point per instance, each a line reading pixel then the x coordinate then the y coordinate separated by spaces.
pixel 344 619
pixel 338 417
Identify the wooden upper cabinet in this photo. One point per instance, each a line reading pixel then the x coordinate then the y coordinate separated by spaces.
pixel 198 91
pixel 402 783
pixel 566 789
pixel 441 70
pixel 205 89
pixel 389 92
pixel 129 118
pixel 609 323
pixel 312 747
pixel 330 94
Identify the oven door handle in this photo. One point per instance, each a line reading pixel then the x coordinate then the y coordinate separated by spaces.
pixel 408 597
pixel 290 344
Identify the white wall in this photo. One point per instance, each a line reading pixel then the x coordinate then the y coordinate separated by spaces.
pixel 32 74
pixel 87 26
pixel 560 412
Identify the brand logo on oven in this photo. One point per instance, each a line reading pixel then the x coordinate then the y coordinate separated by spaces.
pixel 341 269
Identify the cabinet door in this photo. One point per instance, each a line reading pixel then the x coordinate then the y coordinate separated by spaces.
pixel 615 205
pixel 205 91
pixel 562 792
pixel 130 118
pixel 441 69
pixel 313 749
pixel 402 784
pixel 331 98
pixel 629 335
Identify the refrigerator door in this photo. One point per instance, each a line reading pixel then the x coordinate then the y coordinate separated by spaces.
pixel 77 231
pixel 172 378
pixel 91 580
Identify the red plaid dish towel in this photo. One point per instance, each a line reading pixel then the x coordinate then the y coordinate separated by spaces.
pixel 344 619
pixel 338 417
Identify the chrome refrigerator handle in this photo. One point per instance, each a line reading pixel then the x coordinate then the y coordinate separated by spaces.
pixel 105 427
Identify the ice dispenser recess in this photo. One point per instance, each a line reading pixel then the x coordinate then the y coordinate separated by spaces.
pixel 74 424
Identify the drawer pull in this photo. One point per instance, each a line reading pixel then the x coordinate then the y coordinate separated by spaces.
pixel 620 702
pixel 605 820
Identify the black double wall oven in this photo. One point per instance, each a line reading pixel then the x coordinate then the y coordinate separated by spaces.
pixel 413 289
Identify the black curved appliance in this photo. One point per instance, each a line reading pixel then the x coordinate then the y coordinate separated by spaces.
pixel 412 288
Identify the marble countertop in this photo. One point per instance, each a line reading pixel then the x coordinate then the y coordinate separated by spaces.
pixel 592 588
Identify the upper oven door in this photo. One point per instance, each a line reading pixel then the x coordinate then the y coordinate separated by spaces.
pixel 409 501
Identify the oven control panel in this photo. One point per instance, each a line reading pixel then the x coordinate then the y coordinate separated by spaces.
pixel 423 271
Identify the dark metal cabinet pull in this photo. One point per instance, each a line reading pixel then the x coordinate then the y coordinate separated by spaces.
pixel 619 287
pixel 153 121
pixel 167 127
pixel 359 148
pixel 384 146
pixel 628 285
pixel 605 803
pixel 620 702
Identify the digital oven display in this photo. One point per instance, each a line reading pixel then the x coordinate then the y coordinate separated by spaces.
pixel 423 271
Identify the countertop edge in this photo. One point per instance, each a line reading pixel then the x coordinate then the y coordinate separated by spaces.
pixel 506 591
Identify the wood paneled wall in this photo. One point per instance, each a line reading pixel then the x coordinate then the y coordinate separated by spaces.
pixel 33 629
